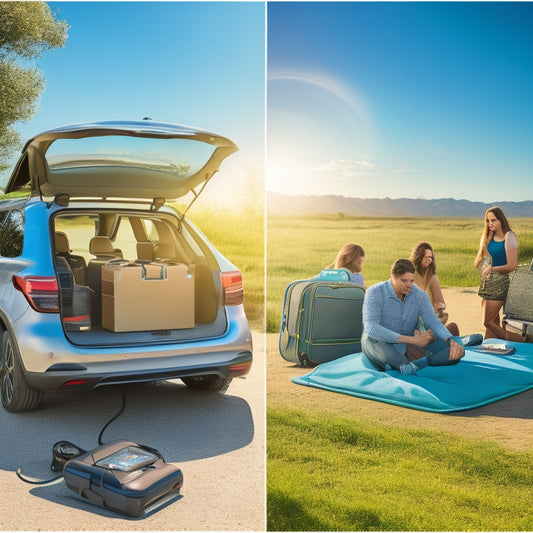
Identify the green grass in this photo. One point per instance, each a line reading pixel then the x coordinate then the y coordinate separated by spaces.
pixel 239 236
pixel 342 474
pixel 330 473
pixel 299 247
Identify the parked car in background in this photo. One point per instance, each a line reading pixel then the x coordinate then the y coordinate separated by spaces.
pixel 101 281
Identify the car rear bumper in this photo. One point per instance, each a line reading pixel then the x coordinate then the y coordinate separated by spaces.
pixel 50 361
pixel 73 376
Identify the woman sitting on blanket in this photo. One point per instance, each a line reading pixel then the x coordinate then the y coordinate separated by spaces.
pixel 351 257
pixel 423 259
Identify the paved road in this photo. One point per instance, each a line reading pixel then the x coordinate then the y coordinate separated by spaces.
pixel 217 440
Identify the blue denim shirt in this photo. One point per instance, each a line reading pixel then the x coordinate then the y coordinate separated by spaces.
pixel 386 317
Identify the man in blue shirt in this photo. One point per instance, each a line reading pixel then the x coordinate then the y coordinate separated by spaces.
pixel 391 310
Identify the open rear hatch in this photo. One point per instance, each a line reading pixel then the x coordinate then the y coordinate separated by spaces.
pixel 142 162
pixel 123 159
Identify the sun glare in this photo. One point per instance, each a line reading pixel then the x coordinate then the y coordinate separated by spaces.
pixel 320 136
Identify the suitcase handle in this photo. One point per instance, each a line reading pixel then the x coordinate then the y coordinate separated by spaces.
pixel 335 274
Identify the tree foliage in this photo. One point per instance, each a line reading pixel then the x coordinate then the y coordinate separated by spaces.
pixel 27 30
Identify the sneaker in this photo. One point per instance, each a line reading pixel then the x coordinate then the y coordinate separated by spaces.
pixel 409 369
pixel 469 340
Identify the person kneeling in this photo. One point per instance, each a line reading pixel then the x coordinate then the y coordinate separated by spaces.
pixel 391 310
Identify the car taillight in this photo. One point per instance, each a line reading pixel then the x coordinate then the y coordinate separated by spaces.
pixel 40 291
pixel 232 283
pixel 239 369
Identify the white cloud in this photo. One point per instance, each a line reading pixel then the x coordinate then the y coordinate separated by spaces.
pixel 339 175
pixel 341 168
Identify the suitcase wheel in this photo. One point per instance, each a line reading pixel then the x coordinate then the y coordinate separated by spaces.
pixel 304 360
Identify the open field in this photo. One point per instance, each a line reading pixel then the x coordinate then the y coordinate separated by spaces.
pixel 395 468
pixel 298 248
pixel 336 462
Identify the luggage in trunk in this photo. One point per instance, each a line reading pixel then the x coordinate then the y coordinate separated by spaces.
pixel 147 296
pixel 518 307
pixel 321 319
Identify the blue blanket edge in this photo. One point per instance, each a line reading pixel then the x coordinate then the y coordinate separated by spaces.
pixel 302 380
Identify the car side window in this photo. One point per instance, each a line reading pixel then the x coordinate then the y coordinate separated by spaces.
pixel 21 177
pixel 11 233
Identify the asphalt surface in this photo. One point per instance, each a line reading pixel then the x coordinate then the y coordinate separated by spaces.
pixel 217 440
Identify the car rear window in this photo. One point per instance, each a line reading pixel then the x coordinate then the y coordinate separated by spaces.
pixel 179 157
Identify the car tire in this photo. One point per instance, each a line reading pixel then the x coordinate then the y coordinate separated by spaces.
pixel 212 382
pixel 15 392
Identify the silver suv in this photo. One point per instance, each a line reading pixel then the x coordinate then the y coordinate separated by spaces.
pixel 101 281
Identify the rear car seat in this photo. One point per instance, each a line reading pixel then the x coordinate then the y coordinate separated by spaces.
pixel 145 250
pixel 76 262
pixel 102 248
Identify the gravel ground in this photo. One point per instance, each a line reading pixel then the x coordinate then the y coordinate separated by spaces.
pixel 217 440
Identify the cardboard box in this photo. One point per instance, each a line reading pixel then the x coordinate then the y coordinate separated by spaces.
pixel 147 297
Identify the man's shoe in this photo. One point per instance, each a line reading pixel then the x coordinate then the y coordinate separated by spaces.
pixel 470 340
pixel 409 369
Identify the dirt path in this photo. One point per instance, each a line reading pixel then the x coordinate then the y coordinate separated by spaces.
pixel 507 422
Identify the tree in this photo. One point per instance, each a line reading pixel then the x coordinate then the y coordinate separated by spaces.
pixel 27 30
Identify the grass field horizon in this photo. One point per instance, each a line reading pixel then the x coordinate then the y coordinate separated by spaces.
pixel 299 247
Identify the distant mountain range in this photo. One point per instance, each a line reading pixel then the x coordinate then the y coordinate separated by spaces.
pixel 280 204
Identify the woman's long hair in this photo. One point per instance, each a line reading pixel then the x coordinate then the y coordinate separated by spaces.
pixel 484 241
pixel 418 253
pixel 347 257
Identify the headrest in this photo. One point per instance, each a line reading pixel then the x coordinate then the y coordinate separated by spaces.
pixel 61 245
pixel 101 245
pixel 145 250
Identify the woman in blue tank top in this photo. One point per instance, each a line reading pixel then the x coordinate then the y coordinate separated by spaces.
pixel 497 257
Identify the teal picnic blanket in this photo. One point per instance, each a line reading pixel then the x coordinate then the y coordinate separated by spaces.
pixel 478 379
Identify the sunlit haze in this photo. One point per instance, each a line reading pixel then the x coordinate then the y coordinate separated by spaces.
pixel 405 100
pixel 200 64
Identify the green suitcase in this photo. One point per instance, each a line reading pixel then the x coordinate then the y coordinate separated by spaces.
pixel 321 319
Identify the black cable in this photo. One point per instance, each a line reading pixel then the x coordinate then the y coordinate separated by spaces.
pixel 114 418
pixel 36 481
pixel 64 451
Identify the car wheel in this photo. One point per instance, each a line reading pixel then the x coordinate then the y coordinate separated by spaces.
pixel 211 382
pixel 15 392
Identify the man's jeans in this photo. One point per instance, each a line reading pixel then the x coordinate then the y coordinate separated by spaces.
pixel 381 353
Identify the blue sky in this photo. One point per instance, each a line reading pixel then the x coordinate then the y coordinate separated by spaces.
pixel 375 99
pixel 195 63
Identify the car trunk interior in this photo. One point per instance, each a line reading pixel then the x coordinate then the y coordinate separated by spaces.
pixel 134 277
